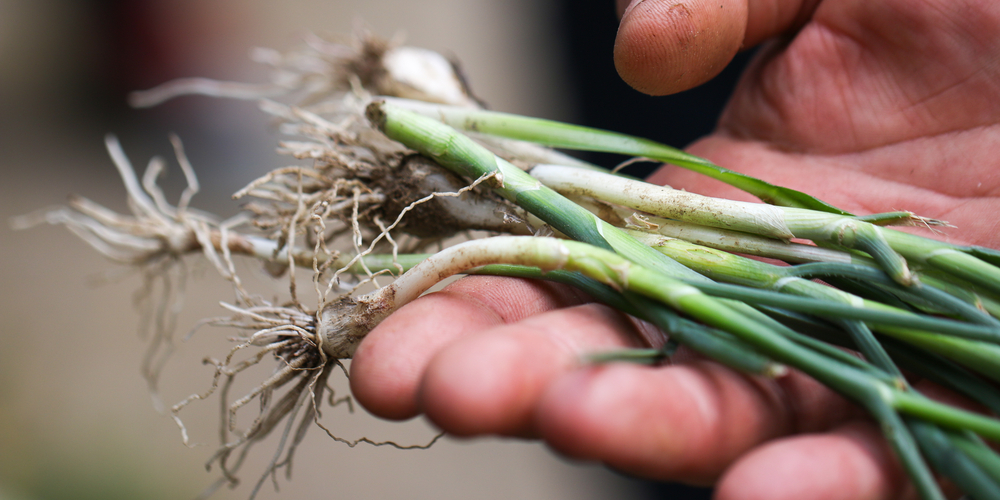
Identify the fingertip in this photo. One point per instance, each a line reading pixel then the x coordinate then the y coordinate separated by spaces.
pixel 384 390
pixel 851 462
pixel 665 47
pixel 388 365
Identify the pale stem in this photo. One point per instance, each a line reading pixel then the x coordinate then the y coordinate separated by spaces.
pixel 344 323
pixel 664 201
pixel 767 220
pixel 722 239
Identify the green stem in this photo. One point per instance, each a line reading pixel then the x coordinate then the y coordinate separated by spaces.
pixel 946 257
pixel 639 356
pixel 463 156
pixel 924 295
pixel 945 372
pixel 943 451
pixel 945 415
pixel 775 222
pixel 562 135
pixel 983 455
pixel 905 445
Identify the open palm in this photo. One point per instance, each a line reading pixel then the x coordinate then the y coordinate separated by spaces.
pixel 871 106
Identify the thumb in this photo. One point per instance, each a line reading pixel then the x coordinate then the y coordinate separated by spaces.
pixel 666 46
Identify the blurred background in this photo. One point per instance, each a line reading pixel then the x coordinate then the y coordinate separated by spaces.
pixel 76 419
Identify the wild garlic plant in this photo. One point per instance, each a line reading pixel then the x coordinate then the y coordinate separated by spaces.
pixel 399 158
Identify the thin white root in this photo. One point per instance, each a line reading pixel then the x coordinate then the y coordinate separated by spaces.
pixel 201 86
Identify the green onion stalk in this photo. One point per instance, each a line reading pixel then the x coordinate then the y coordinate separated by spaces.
pixel 618 259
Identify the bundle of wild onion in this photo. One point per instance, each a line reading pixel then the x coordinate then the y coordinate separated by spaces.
pixel 368 204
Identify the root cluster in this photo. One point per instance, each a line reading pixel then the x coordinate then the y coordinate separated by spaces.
pixel 351 193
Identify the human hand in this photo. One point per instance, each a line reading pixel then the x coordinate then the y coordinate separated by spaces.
pixel 867 105
pixel 870 106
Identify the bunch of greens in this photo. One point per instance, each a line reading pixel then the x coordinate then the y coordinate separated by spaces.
pixel 388 177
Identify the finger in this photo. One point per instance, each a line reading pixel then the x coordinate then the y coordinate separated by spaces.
pixel 666 46
pixel 682 423
pixel 387 366
pixel 850 462
pixel 490 383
